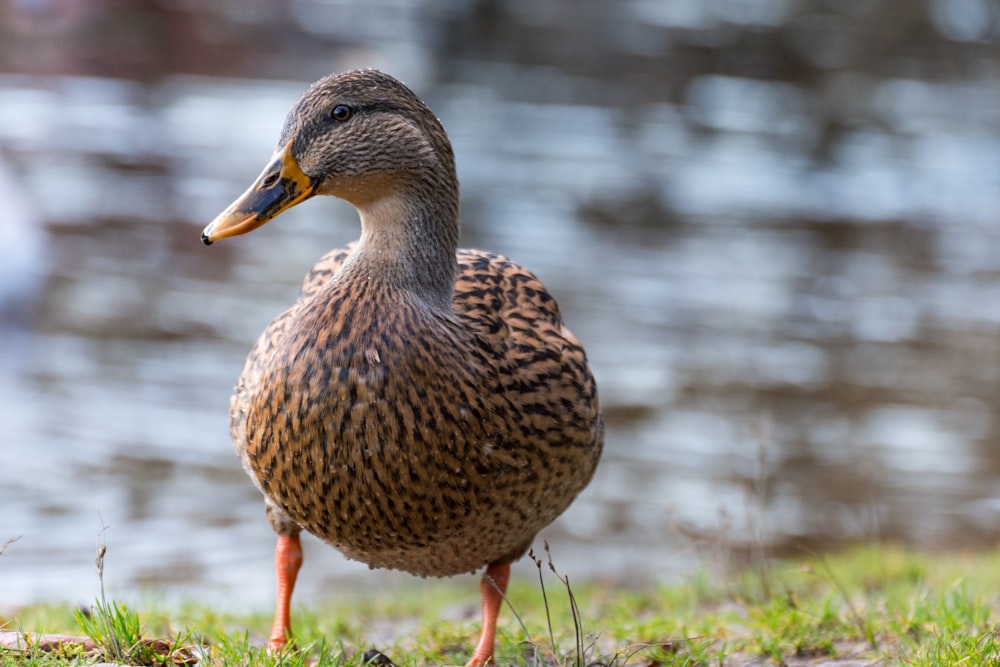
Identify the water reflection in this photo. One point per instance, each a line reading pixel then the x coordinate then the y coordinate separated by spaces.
pixel 782 261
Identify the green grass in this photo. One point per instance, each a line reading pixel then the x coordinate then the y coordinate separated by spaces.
pixel 870 604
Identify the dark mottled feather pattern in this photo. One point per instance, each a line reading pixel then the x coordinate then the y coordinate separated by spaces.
pixel 463 439
pixel 416 408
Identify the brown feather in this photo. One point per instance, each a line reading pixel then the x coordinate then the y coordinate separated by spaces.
pixel 419 407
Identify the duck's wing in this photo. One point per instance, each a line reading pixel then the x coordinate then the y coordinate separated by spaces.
pixel 544 372
pixel 323 270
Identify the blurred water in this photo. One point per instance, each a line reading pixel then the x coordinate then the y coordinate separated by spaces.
pixel 783 270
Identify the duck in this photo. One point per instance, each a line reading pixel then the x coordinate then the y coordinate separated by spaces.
pixel 419 407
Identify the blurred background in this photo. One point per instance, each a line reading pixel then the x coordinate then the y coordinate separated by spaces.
pixel 774 224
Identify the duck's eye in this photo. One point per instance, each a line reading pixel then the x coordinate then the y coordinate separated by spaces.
pixel 341 112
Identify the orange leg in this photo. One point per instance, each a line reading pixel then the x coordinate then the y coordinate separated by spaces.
pixel 493 587
pixel 287 561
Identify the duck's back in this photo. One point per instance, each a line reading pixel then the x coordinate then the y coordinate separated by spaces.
pixel 411 440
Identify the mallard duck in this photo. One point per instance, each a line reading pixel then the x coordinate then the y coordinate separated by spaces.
pixel 419 407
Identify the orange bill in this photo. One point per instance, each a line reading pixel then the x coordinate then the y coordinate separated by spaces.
pixel 280 186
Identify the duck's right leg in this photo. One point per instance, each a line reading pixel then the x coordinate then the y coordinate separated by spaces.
pixel 287 561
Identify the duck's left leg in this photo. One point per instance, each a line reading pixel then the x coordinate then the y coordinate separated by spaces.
pixel 493 587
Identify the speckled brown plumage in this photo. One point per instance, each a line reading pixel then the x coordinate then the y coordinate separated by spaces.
pixel 411 440
pixel 419 407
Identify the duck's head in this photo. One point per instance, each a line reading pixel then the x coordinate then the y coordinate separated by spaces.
pixel 362 136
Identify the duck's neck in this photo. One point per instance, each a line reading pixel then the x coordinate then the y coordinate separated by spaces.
pixel 408 242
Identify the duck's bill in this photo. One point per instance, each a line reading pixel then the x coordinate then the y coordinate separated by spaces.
pixel 280 186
